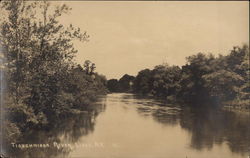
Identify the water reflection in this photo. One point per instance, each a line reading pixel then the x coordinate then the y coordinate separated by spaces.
pixel 58 138
pixel 135 126
pixel 213 126
pixel 207 125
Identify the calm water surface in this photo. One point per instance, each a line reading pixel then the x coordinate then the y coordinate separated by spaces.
pixel 126 126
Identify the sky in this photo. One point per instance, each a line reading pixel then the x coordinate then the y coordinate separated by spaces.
pixel 126 37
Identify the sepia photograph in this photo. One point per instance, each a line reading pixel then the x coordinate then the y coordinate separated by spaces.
pixel 124 79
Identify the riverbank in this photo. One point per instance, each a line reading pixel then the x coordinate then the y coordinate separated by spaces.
pixel 237 106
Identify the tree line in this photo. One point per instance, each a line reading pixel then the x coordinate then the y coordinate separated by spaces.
pixel 124 84
pixel 43 82
pixel 204 78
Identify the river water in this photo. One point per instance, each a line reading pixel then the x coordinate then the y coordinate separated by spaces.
pixel 128 126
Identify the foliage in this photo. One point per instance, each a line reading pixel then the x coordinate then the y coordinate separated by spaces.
pixel 43 82
pixel 142 82
pixel 113 85
pixel 125 84
pixel 205 78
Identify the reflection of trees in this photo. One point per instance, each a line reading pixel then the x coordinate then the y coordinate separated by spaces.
pixel 210 126
pixel 202 125
pixel 166 116
pixel 65 130
pixel 207 125
pixel 160 110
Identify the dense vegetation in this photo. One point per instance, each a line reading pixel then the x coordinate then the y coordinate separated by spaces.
pixel 124 84
pixel 43 82
pixel 204 78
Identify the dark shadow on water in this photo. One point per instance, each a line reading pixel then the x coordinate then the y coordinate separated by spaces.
pixel 207 124
pixel 68 129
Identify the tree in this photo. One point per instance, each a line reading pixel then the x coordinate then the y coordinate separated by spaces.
pixel 192 82
pixel 40 72
pixel 89 67
pixel 125 83
pixel 142 82
pixel 113 85
pixel 38 54
pixel 15 38
pixel 222 85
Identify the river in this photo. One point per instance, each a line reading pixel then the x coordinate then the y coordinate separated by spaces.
pixel 128 126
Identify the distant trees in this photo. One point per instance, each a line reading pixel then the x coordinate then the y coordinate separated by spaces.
pixel 142 82
pixel 203 78
pixel 192 83
pixel 162 81
pixel 113 85
pixel 207 77
pixel 125 84
pixel 222 84
pixel 166 80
